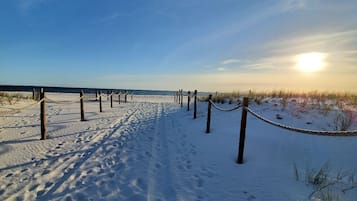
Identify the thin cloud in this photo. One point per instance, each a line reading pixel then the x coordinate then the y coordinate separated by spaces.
pixel 230 61
pixel 112 17
pixel 221 69
pixel 316 41
pixel 290 5
pixel 339 45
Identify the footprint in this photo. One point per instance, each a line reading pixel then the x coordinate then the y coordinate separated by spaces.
pixel 250 197
pixel 48 184
pixel 157 165
pixel 40 193
pixel 46 171
pixel 34 187
pixel 199 181
pixel 24 170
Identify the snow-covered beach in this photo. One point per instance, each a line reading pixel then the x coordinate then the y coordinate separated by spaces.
pixel 152 149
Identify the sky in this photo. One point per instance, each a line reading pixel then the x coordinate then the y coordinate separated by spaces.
pixel 209 45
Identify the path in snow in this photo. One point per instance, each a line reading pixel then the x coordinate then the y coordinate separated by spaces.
pixel 141 155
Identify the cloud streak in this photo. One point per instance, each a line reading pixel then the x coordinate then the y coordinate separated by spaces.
pixel 230 61
pixel 233 81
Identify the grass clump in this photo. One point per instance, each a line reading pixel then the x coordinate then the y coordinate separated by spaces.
pixel 326 185
pixel 10 98
pixel 343 120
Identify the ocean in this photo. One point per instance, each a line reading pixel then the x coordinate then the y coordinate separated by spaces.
pixel 89 90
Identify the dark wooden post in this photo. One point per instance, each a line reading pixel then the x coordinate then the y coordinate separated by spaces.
pixel 100 102
pixel 188 100
pixel 178 96
pixel 33 93
pixel 208 127
pixel 181 97
pixel 96 95
pixel 43 115
pixel 81 95
pixel 111 99
pixel 119 98
pixel 243 125
pixel 195 105
pixel 125 97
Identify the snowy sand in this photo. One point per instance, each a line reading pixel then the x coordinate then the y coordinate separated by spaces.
pixel 151 149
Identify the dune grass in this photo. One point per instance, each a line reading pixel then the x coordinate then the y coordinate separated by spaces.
pixel 12 98
pixel 309 97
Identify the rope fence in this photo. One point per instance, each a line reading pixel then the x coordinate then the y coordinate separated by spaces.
pixel 178 98
pixel 223 109
pixel 246 109
pixel 300 130
pixel 42 99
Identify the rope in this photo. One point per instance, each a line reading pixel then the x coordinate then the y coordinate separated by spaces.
pixel 305 131
pixel 225 110
pixel 61 102
pixel 16 110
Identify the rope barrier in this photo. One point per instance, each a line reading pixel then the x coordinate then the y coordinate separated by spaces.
pixel 61 102
pixel 225 110
pixel 16 110
pixel 305 131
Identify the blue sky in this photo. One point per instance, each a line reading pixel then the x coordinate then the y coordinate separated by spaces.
pixel 220 45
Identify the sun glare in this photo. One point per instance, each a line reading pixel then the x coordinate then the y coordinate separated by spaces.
pixel 310 62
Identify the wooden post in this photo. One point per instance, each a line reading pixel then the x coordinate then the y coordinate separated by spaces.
pixel 81 95
pixel 100 102
pixel 43 115
pixel 96 95
pixel 119 98
pixel 125 97
pixel 208 127
pixel 33 93
pixel 181 97
pixel 111 99
pixel 188 100
pixel 243 125
pixel 178 96
pixel 195 105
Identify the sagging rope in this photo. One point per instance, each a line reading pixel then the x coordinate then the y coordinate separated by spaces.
pixel 66 102
pixel 17 110
pixel 225 110
pixel 61 102
pixel 300 130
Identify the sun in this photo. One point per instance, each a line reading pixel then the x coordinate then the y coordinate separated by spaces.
pixel 311 61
